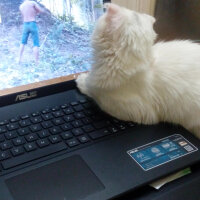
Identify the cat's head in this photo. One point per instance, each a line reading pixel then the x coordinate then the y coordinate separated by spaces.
pixel 121 28
pixel 122 42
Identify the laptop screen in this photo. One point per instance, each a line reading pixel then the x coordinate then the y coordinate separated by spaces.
pixel 45 39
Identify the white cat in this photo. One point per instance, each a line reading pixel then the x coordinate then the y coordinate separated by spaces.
pixel 134 79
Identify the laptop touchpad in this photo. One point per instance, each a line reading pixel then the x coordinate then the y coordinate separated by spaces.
pixel 69 178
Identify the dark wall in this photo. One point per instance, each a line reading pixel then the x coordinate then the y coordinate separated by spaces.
pixel 178 19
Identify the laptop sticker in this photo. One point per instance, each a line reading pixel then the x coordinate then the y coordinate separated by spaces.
pixel 161 151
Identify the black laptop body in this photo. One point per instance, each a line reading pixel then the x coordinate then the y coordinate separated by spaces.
pixel 56 144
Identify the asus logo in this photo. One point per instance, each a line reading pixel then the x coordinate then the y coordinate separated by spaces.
pixel 27 95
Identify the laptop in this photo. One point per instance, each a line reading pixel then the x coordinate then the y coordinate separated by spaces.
pixel 56 144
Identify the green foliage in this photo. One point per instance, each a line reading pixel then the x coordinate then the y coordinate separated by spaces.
pixel 98 6
pixel 66 18
pixel 66 34
pixel 91 27
pixel 75 1
pixel 56 31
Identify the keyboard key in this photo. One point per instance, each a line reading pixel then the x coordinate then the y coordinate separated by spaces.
pixel 24 123
pixel 4 122
pixel 10 135
pixel 47 124
pixel 98 134
pixel 23 131
pixel 2 129
pixel 54 139
pixel 130 124
pixel 36 120
pixel 47 116
pixel 77 131
pixel 78 108
pixel 87 120
pixel 58 121
pixel 16 151
pixel 74 103
pixel 68 111
pixel 14 119
pixel 89 112
pixel 113 129
pixel 2 138
pixel 4 155
pixel 6 145
pixel 31 137
pixel 30 146
pixel 58 114
pixel 19 141
pixel 121 126
pixel 68 118
pixel 35 114
pixel 83 101
pixel 77 123
pixel 35 128
pixel 43 143
pixel 64 106
pixel 72 142
pixel 88 128
pixel 12 126
pixel 46 110
pixel 43 133
pixel 55 130
pixel 79 115
pixel 66 127
pixel 24 116
pixel 55 108
pixel 66 135
pixel 34 155
pixel 83 139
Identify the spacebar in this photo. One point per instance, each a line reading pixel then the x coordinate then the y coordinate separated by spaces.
pixel 33 155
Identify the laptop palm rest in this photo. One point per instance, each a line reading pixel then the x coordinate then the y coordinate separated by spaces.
pixel 69 178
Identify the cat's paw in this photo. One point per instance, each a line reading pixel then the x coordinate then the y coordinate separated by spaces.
pixel 81 83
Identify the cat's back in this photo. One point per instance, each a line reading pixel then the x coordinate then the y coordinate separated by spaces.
pixel 176 80
pixel 178 52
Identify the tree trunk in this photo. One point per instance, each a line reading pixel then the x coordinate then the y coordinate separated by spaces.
pixel 64 7
pixel 92 11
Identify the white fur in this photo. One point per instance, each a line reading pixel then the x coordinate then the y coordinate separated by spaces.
pixel 134 79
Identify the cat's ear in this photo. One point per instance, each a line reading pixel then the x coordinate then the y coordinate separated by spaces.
pixel 112 10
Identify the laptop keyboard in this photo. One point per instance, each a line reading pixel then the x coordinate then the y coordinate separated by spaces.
pixel 42 133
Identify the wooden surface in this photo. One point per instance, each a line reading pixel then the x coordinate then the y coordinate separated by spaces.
pixel 38 84
pixel 143 6
pixel 177 19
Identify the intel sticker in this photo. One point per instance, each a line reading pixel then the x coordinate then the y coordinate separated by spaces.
pixel 161 151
